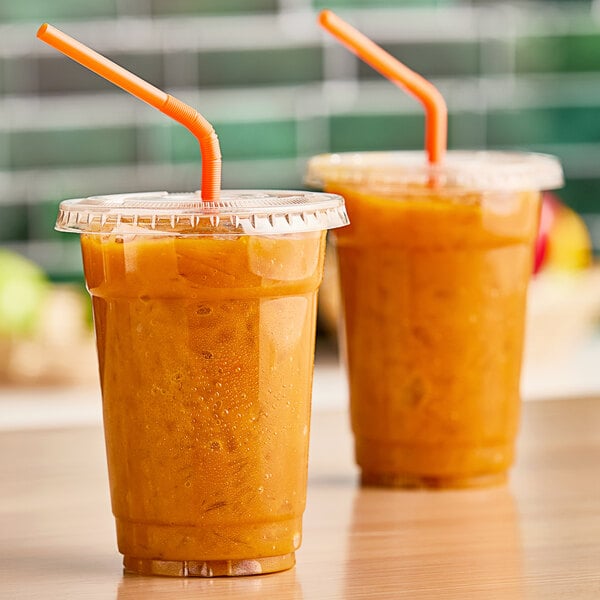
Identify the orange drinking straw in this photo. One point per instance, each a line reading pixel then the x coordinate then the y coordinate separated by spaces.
pixel 436 113
pixel 167 104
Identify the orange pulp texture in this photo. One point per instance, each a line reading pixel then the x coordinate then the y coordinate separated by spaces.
pixel 434 292
pixel 205 348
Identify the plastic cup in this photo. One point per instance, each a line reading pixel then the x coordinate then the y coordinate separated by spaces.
pixel 205 322
pixel 434 271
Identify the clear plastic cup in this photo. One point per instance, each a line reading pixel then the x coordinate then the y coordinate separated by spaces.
pixel 434 271
pixel 205 319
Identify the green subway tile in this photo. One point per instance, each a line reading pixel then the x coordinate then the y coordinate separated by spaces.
pixel 52 10
pixel 568 53
pixel 13 222
pixel 378 3
pixel 259 174
pixel 181 69
pixel 41 219
pixel 584 53
pixel 62 260
pixel 544 126
pixel 432 59
pixel 260 67
pixel 241 141
pixel 4 155
pixel 57 74
pixel 535 54
pixel 376 132
pixel 181 146
pixel 272 139
pixel 205 7
pixel 313 135
pixel 154 142
pixel 583 195
pixel 101 146
pixel 148 66
pixel 19 75
pixel 402 132
pixel 466 130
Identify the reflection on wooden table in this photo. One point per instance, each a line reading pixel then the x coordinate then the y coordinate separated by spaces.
pixel 539 537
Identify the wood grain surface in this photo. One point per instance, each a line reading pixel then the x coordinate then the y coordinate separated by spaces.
pixel 538 537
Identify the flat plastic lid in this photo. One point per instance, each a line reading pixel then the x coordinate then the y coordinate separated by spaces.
pixel 462 170
pixel 237 212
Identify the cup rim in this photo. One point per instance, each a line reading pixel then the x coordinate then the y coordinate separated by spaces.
pixel 237 212
pixel 462 170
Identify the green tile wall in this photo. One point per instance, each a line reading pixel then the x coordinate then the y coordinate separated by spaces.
pixel 39 215
pixel 567 124
pixel 467 130
pixel 273 139
pixel 376 132
pixel 56 75
pixel 68 148
pixel 524 75
pixel 13 222
pixel 207 7
pixel 240 141
pixel 149 65
pixel 459 58
pixel 260 67
pixel 583 194
pixel 559 53
pixel 54 10
pixel 341 4
pixel 401 132
pixel 4 152
pixel 19 75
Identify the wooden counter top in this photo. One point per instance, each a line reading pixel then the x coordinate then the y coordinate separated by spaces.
pixel 537 538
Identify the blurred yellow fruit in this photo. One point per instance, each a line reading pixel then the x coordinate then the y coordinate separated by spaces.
pixel 569 244
pixel 563 242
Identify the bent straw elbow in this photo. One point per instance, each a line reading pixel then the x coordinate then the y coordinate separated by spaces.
pixel 397 72
pixel 177 110
pixel 208 140
pixel 436 125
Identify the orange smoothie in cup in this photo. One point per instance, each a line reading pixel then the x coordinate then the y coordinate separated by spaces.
pixel 205 311
pixel 434 271
pixel 205 341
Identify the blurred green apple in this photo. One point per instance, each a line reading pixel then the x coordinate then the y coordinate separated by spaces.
pixel 23 289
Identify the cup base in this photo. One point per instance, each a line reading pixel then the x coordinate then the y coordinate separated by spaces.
pixel 411 481
pixel 208 568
